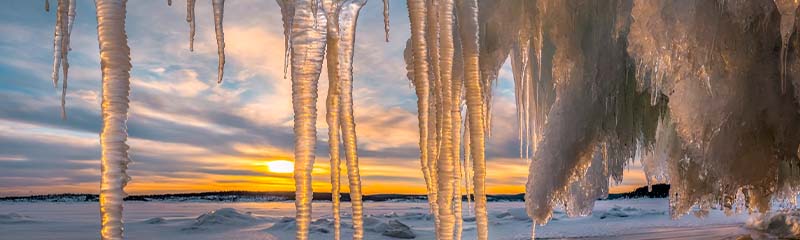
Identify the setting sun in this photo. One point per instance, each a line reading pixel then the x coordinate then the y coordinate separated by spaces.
pixel 280 166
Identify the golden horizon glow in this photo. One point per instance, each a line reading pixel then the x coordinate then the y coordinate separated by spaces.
pixel 280 166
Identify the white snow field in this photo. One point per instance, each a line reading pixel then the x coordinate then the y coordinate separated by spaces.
pixel 613 219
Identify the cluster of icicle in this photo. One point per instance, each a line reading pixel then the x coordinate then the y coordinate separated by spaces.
pixel 115 65
pixel 315 30
pixel 65 17
pixel 442 57
pixel 705 93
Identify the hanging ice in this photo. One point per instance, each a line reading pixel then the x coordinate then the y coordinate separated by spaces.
pixel 116 65
pixel 386 18
pixel 219 8
pixel 191 20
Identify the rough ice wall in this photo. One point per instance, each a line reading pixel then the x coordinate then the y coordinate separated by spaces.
pixel 744 136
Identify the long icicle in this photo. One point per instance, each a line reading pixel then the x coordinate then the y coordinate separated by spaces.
pixel 417 13
pixel 348 17
pixel 219 10
pixel 332 113
pixel 115 63
pixel 457 94
pixel 446 161
pixel 191 20
pixel 434 126
pixel 65 48
pixel 308 40
pixel 468 28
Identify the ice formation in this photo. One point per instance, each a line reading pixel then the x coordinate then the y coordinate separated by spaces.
pixel 65 16
pixel 115 62
pixel 219 9
pixel 704 93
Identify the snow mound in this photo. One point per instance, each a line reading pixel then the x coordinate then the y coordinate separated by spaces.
pixel 517 214
pixel 624 212
pixel 224 217
pixel 288 224
pixel 12 218
pixel 155 220
pixel 781 224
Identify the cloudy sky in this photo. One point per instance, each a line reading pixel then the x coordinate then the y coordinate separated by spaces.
pixel 188 133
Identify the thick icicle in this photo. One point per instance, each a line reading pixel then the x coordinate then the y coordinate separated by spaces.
pixel 191 20
pixel 308 45
pixel 348 17
pixel 219 9
pixel 468 29
pixel 115 63
pixel 417 14
pixel 445 164
pixel 386 18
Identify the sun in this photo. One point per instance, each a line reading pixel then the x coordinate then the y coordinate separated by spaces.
pixel 280 166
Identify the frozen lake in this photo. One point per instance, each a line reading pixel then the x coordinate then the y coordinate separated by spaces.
pixel 614 219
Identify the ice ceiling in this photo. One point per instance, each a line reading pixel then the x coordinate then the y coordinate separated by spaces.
pixel 704 93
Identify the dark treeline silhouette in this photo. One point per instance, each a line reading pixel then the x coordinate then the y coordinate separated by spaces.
pixel 658 191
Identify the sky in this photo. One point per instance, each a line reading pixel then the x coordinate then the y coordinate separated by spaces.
pixel 190 134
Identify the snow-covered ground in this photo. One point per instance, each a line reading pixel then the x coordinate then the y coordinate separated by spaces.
pixel 614 219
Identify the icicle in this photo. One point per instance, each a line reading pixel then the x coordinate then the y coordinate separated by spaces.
pixel 467 165
pixel 115 63
pixel 191 20
pixel 47 5
pixel 219 9
pixel 332 113
pixel 533 230
pixel 287 15
pixel 417 14
pixel 788 11
pixel 60 32
pixel 457 93
pixel 70 21
pixel 169 2
pixel 446 166
pixel 348 17
pixel 386 18
pixel 65 14
pixel 308 45
pixel 468 28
